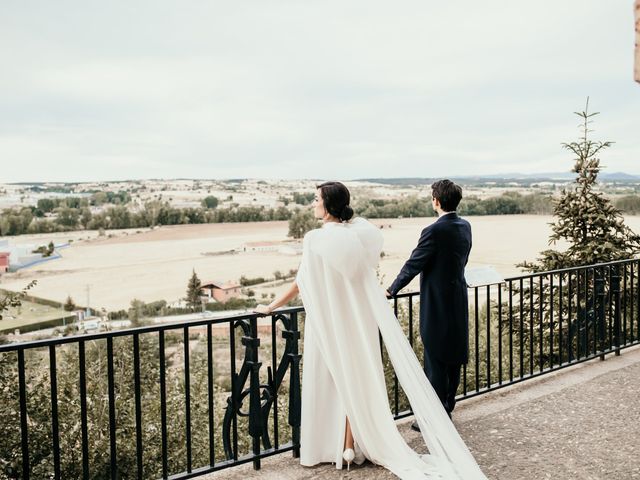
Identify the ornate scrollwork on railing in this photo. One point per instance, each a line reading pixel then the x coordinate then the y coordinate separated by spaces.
pixel 261 396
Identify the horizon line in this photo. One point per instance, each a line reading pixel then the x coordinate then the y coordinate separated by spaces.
pixel 496 176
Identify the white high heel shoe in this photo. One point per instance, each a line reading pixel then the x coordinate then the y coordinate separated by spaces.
pixel 348 455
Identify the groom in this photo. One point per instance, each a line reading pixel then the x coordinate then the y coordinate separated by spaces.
pixel 440 257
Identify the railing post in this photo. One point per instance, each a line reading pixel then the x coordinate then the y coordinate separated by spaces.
pixel 138 405
pixel 111 390
pixel 295 400
pixel 476 352
pixel 599 310
pixel 55 433
pixel 163 404
pixel 615 290
pixel 24 431
pixel 83 409
pixel 187 397
pixel 252 342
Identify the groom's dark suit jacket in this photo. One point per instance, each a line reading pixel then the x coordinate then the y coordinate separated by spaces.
pixel 440 258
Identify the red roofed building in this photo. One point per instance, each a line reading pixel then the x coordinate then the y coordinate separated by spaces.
pixel 4 261
pixel 221 291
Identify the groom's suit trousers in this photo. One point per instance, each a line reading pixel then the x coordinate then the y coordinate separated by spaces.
pixel 444 378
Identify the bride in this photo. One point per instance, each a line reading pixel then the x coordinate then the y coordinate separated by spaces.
pixel 345 409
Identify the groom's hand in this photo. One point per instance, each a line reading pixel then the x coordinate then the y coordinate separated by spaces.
pixel 388 294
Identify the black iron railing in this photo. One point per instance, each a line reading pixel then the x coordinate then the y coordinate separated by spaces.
pixel 184 399
pixel 162 367
pixel 530 325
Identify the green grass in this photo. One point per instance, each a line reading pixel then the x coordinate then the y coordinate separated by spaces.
pixel 29 315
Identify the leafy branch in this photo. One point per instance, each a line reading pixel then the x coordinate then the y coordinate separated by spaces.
pixel 14 299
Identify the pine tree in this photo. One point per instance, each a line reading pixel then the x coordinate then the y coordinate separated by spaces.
pixel 193 291
pixel 69 304
pixel 592 226
pixel 594 230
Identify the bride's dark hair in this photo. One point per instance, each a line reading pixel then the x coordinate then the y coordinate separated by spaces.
pixel 336 198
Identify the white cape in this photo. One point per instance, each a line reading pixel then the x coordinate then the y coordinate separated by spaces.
pixel 342 368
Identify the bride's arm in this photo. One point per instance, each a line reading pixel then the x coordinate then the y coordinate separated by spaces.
pixel 286 297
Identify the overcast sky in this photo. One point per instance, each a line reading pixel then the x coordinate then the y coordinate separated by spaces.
pixel 96 90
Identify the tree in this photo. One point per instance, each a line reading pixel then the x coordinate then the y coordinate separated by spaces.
pixel 15 222
pixel 46 205
pixel 210 202
pixel 629 204
pixel 136 312
pixel 194 288
pixel 99 198
pixel 592 226
pixel 303 198
pixel 149 214
pixel 67 217
pixel 42 250
pixel 120 217
pixel 301 222
pixel 69 305
pixel 595 232
pixel 503 205
pixel 85 217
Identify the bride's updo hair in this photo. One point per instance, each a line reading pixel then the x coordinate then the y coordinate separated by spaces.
pixel 336 198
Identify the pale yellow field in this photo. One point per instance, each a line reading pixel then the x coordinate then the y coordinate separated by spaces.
pixel 154 265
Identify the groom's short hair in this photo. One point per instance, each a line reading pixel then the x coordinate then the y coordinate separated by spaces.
pixel 447 193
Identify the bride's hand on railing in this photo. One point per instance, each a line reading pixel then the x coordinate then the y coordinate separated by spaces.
pixel 262 309
pixel 287 296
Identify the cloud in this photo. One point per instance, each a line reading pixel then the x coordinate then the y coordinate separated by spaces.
pixel 310 89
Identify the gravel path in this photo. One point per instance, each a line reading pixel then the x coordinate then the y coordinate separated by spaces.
pixel 580 423
pixel 588 431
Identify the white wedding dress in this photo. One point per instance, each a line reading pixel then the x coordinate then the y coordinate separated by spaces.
pixel 342 367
